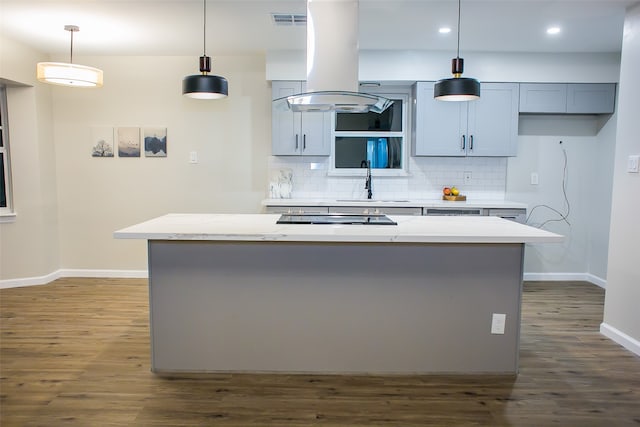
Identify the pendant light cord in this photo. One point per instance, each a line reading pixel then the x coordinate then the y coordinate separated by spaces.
pixel 71 54
pixel 458 48
pixel 204 29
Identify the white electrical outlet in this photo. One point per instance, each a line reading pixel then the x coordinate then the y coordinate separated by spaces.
pixel 633 165
pixel 193 157
pixel 497 323
pixel 466 177
pixel 534 178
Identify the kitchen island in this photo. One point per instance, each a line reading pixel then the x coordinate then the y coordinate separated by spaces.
pixel 240 293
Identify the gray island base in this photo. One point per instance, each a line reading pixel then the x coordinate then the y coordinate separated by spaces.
pixel 281 303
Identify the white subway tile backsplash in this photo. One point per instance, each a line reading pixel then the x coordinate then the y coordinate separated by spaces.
pixel 427 176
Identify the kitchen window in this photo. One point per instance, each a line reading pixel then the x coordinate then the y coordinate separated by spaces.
pixel 5 182
pixel 380 139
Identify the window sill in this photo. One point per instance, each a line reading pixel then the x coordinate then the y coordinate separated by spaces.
pixel 7 217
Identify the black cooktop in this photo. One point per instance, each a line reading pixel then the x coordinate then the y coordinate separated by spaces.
pixel 362 219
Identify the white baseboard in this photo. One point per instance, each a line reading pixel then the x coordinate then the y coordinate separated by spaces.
pixel 143 274
pixel 566 277
pixel 116 274
pixel 599 281
pixel 630 343
pixel 29 281
pixel 67 272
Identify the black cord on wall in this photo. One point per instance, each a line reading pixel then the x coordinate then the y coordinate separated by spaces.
pixel 562 216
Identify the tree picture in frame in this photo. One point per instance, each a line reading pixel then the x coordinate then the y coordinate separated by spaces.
pixel 102 140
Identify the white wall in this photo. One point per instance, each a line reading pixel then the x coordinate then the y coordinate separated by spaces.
pixel 387 65
pixel 29 245
pixel 621 311
pixel 100 195
pixel 68 204
pixel 599 199
pixel 587 181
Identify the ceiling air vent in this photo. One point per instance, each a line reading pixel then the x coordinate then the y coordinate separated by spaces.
pixel 288 19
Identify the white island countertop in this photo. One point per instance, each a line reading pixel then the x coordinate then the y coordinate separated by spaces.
pixel 263 227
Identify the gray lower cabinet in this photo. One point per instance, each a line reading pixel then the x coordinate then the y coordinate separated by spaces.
pixel 298 134
pixel 486 127
pixel 373 209
pixel 376 209
pixel 517 215
pixel 567 98
pixel 297 209
pixel 514 214
pixel 453 211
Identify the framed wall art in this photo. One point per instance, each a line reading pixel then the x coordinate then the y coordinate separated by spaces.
pixel 102 142
pixel 128 141
pixel 155 141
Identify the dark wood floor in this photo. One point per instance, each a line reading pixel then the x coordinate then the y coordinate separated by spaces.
pixel 76 352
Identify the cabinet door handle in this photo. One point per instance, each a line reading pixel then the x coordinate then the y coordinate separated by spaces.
pixel 464 142
pixel 304 142
pixel 470 142
pixel 296 141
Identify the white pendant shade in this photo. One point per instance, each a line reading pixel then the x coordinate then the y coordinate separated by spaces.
pixel 69 74
pixel 65 74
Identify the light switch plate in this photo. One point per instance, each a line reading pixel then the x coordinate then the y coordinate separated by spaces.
pixel 633 165
pixel 534 178
pixel 497 323
pixel 193 157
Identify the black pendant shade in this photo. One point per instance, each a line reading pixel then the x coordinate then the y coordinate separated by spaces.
pixel 457 88
pixel 204 85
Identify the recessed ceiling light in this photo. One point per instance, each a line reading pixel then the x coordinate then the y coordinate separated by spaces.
pixel 444 30
pixel 553 30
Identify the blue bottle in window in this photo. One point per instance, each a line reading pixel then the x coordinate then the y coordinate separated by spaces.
pixel 382 153
pixel 371 152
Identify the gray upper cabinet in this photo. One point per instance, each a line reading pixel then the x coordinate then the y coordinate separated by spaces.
pixel 591 98
pixel 543 98
pixel 298 134
pixel 486 127
pixel 567 98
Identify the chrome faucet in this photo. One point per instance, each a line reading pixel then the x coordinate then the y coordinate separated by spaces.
pixel 367 183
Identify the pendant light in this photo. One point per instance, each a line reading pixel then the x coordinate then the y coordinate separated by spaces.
pixel 63 74
pixel 457 88
pixel 205 86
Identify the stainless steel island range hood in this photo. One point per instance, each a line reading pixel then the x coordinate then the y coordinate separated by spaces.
pixel 332 62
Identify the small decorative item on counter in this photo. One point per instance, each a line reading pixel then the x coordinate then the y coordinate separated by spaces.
pixel 281 183
pixel 452 194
